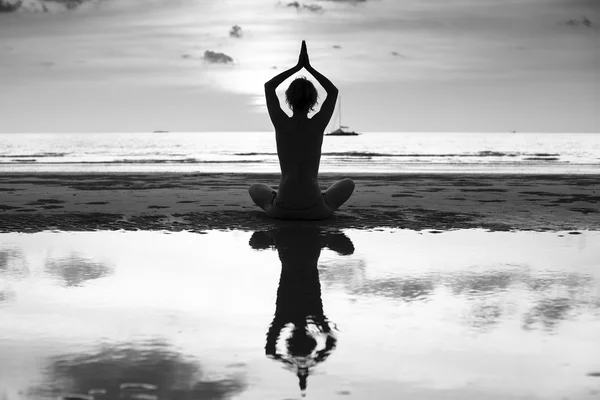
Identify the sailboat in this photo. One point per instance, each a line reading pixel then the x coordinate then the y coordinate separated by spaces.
pixel 341 130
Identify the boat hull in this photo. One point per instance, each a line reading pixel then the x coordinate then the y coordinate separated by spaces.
pixel 339 132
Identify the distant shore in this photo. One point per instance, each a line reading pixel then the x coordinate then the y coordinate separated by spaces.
pixel 199 202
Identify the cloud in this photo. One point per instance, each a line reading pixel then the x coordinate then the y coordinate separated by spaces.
pixel 308 7
pixel 313 7
pixel 70 4
pixel 8 6
pixel 217 58
pixel 585 21
pixel 236 32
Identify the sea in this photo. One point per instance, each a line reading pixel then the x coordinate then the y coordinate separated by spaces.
pixel 255 152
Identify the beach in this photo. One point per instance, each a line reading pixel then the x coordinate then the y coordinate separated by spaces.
pixel 166 284
pixel 204 201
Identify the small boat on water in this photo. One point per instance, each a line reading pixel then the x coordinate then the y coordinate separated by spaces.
pixel 341 130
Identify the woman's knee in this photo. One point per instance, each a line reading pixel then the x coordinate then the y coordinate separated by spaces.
pixel 257 189
pixel 253 188
pixel 349 183
pixel 346 186
pixel 261 194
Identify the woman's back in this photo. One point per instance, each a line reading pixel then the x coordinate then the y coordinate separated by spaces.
pixel 299 149
pixel 299 146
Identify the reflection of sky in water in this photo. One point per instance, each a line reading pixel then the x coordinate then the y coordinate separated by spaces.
pixel 464 314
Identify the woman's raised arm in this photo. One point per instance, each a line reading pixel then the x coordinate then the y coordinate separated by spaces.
pixel 278 79
pixel 275 112
pixel 326 111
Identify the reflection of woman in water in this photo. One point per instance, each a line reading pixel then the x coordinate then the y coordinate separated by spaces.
pixel 300 328
pixel 299 141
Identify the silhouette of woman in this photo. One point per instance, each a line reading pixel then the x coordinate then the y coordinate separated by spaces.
pixel 299 323
pixel 299 140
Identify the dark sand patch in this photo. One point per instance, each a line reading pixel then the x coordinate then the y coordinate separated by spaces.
pixel 517 184
pixel 485 190
pixel 433 190
pixel 470 182
pixel 537 193
pixel 51 207
pixel 192 202
pixel 243 220
pixel 585 210
pixel 39 202
pixel 578 197
pixel 586 181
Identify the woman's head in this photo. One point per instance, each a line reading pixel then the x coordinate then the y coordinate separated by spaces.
pixel 301 95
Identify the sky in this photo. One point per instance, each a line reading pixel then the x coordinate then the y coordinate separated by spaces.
pixel 400 65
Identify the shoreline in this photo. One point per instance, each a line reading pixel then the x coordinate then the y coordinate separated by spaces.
pixel 252 168
pixel 85 201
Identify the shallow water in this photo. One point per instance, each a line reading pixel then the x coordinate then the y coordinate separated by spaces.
pixel 374 152
pixel 392 314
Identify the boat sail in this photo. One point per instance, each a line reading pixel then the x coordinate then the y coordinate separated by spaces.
pixel 341 129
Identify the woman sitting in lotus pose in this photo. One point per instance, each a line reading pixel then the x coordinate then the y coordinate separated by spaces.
pixel 299 141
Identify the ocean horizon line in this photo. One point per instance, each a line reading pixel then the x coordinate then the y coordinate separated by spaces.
pixel 272 131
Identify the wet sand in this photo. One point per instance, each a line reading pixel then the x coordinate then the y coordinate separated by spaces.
pixel 200 202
